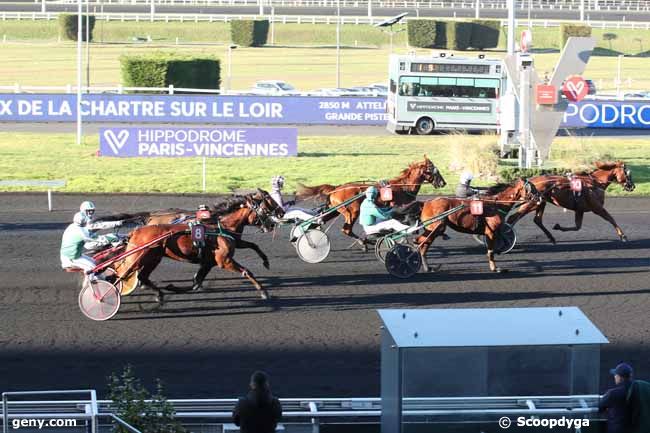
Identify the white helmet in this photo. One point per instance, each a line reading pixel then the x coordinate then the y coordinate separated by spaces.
pixel 277 182
pixel 87 208
pixel 466 177
pixel 80 219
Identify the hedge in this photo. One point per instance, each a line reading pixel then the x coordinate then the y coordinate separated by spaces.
pixel 512 173
pixel 453 35
pixel 249 33
pixel 68 26
pixel 568 30
pixel 485 34
pixel 422 33
pixel 163 70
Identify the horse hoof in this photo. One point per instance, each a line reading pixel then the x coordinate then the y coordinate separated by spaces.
pixel 160 299
pixel 434 268
pixel 556 227
pixel 445 237
pixel 267 265
pixel 265 295
pixel 195 289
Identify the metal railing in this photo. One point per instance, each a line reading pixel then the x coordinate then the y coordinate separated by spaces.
pixel 288 19
pixel 571 5
pixel 317 411
pixel 17 88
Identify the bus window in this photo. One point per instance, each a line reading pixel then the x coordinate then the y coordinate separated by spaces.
pixel 409 86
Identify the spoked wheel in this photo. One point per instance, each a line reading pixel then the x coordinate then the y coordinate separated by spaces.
pixel 127 285
pixel 313 246
pixel 297 231
pixel 403 261
pixel 505 241
pixel 99 300
pixel 384 244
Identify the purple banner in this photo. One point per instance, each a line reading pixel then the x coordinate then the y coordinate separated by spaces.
pixel 193 109
pixel 203 142
pixel 608 114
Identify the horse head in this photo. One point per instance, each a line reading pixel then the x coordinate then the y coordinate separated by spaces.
pixel 266 212
pixel 618 171
pixel 431 174
pixel 521 189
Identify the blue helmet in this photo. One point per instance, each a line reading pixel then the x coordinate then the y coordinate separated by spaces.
pixel 371 192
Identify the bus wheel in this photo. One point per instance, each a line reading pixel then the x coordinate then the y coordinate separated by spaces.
pixel 424 126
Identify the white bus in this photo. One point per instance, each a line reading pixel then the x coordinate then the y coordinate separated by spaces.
pixel 443 92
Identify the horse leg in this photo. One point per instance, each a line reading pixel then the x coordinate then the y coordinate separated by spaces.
pixel 579 214
pixel 204 269
pixel 601 212
pixel 350 219
pixel 426 239
pixel 539 214
pixel 490 238
pixel 253 246
pixel 149 262
pixel 225 261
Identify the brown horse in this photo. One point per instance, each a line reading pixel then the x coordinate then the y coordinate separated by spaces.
pixel 557 191
pixel 497 202
pixel 405 188
pixel 218 250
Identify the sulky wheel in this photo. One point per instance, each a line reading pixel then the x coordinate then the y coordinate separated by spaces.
pixel 382 246
pixel 506 239
pixel 313 246
pixel 99 300
pixel 403 261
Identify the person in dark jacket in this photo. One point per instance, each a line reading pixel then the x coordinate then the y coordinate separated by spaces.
pixel 614 402
pixel 259 411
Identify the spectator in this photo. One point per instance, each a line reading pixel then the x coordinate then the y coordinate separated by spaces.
pixel 638 402
pixel 259 411
pixel 614 402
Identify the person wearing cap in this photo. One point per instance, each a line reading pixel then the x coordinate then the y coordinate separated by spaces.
pixel 75 236
pixel 375 219
pixel 464 189
pixel 290 213
pixel 614 401
pixel 259 411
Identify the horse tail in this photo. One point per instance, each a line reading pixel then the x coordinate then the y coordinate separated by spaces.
pixel 311 192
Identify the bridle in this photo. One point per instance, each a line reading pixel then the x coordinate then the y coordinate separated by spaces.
pixel 432 175
pixel 263 217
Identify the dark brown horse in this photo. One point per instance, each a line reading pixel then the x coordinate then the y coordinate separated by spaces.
pixel 497 202
pixel 557 190
pixel 405 188
pixel 218 250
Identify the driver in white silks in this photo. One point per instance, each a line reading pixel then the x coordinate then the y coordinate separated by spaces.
pixel 75 238
pixel 87 209
pixel 375 219
pixel 290 213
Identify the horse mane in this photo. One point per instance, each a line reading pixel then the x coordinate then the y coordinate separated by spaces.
pixel 499 187
pixel 229 205
pixel 607 165
pixel 405 172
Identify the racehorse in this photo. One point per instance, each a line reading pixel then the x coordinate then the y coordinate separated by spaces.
pixel 255 209
pixel 558 191
pixel 405 188
pixel 497 202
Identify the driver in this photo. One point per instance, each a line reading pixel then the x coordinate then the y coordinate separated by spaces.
pixel 375 219
pixel 87 208
pixel 75 236
pixel 463 189
pixel 277 183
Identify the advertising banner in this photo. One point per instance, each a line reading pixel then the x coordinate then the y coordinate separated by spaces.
pixel 201 142
pixel 608 114
pixel 193 109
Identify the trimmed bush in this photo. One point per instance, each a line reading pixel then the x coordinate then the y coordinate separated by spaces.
pixel 568 30
pixel 68 26
pixel 485 34
pixel 454 35
pixel 512 173
pixel 249 33
pixel 163 70
pixel 422 33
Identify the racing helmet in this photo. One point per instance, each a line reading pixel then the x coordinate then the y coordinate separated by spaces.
pixel 371 193
pixel 87 208
pixel 466 177
pixel 79 219
pixel 277 182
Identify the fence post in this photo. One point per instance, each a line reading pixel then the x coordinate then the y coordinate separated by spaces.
pixel 16 88
pixel 171 89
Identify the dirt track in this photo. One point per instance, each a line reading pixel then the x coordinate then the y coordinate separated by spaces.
pixel 319 336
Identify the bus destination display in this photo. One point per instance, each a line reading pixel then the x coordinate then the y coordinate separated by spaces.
pixel 450 68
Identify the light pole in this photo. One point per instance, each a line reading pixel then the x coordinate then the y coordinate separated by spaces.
pixel 230 48
pixel 87 46
pixel 338 44
pixel 477 14
pixel 79 37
